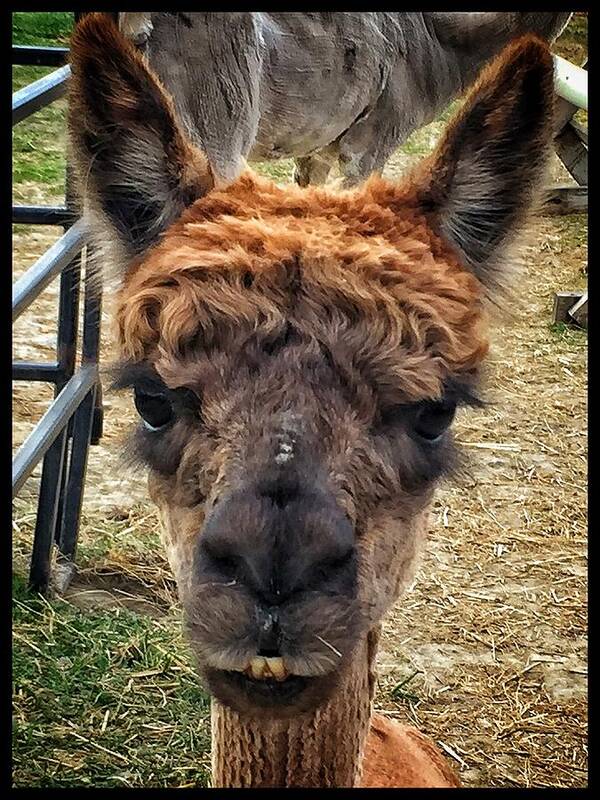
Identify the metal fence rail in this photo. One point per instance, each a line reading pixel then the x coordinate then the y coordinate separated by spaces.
pixel 25 55
pixel 39 94
pixel 42 215
pixel 74 419
pixel 46 268
pixel 51 424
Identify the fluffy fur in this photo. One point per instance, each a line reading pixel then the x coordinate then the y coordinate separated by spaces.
pixel 299 339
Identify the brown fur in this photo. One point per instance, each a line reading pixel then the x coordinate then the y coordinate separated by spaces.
pixel 416 309
pixel 400 756
pixel 297 337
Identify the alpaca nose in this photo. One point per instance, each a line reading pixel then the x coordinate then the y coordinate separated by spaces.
pixel 276 540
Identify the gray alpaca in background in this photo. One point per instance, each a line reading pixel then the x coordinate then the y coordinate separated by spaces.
pixel 319 87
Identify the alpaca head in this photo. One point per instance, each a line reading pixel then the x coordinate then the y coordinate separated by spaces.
pixel 297 356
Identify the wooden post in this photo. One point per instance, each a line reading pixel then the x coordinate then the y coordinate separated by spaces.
pixel 573 153
pixel 563 302
pixel 579 312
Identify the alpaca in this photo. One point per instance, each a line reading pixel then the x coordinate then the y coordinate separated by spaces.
pixel 296 356
pixel 323 88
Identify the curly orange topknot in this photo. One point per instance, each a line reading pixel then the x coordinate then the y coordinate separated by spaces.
pixel 253 254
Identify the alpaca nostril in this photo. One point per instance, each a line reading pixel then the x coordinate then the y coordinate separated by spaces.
pixel 279 497
pixel 338 561
pixel 269 652
pixel 334 567
pixel 224 563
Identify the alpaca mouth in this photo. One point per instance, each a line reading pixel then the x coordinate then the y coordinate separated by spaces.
pixel 266 686
pixel 267 678
pixel 267 690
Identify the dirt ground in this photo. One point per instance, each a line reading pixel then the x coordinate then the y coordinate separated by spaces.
pixel 487 653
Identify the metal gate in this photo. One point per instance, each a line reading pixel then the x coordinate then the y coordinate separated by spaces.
pixel 74 419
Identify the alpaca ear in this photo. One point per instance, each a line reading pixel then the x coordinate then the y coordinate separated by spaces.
pixel 137 171
pixel 487 173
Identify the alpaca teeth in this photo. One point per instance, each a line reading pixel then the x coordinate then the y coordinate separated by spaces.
pixel 257 667
pixel 261 668
pixel 277 668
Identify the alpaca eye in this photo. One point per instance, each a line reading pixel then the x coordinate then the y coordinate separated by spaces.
pixel 155 410
pixel 433 419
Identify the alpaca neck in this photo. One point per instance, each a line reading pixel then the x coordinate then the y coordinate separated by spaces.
pixel 321 749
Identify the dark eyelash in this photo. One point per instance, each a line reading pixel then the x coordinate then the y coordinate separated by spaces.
pixel 145 379
pixel 126 375
pixel 463 394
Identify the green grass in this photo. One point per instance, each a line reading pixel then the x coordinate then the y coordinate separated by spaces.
pixel 278 171
pixel 39 142
pixel 44 28
pixel 39 148
pixel 103 698
pixel 569 335
pixel 400 692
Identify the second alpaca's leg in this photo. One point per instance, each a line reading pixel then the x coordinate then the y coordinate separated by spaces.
pixel 314 169
pixel 368 143
pixel 310 171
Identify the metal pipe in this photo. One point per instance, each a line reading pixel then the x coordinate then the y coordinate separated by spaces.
pixel 25 55
pixel 51 424
pixel 54 260
pixel 71 513
pixel 32 371
pixel 42 215
pixel 45 522
pixel 40 93
pixel 571 82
